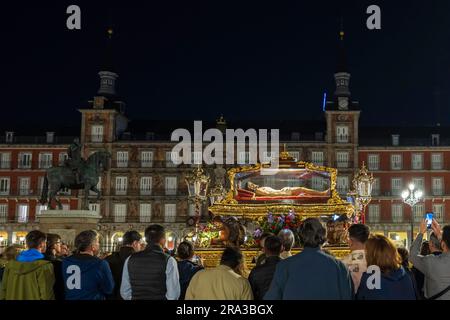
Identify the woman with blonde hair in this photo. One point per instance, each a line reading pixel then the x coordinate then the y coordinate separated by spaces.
pixel 389 281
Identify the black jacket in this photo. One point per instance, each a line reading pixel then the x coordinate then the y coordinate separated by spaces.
pixel 261 276
pixel 58 288
pixel 186 270
pixel 116 262
pixel 147 273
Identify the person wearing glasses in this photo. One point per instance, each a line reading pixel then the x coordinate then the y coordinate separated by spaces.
pixel 54 255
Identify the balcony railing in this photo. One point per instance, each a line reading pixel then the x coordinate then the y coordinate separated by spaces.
pixel 5 164
pixel 95 138
pixel 144 219
pixel 436 165
pixel 154 192
pixel 438 192
pixel 343 164
pixel 342 138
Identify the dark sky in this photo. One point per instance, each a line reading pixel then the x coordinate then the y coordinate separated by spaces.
pixel 246 59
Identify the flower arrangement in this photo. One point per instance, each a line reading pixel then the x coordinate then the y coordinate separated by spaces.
pixel 274 223
pixel 205 233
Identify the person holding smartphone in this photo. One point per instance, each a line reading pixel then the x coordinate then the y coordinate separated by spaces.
pixel 434 267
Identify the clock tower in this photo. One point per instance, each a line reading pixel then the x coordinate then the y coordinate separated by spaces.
pixel 342 118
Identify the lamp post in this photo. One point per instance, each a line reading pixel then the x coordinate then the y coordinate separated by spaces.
pixel 411 197
pixel 197 182
pixel 362 191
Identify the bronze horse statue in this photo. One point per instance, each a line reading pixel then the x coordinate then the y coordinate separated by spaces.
pixel 61 177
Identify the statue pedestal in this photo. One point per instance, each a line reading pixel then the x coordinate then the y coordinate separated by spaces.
pixel 68 223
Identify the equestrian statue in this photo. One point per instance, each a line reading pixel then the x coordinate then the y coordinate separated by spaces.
pixel 76 174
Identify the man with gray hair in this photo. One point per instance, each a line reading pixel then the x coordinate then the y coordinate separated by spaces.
pixel 287 240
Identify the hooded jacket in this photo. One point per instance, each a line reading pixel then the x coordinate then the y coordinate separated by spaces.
pixel 86 278
pixel 397 285
pixel 28 278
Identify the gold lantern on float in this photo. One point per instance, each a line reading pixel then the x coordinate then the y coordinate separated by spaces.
pixel 362 192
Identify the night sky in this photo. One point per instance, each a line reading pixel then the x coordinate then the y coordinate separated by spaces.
pixel 189 60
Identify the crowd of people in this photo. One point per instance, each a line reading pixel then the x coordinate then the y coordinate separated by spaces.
pixel 144 270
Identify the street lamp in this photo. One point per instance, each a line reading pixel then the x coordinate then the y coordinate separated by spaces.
pixel 411 197
pixel 362 191
pixel 197 182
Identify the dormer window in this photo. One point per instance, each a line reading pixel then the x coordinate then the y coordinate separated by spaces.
pixel 435 140
pixel 395 139
pixel 9 136
pixel 295 136
pixel 50 137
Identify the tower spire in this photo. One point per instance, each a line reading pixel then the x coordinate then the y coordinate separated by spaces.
pixel 342 76
pixel 107 74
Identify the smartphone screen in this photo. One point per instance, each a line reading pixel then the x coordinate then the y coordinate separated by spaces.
pixel 429 218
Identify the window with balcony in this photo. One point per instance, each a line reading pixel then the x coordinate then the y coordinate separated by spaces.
pixel 121 185
pixel 5 160
pixel 122 159
pixel 342 159
pixel 196 158
pixel 24 186
pixel 317 183
pixel 396 162
pixel 342 185
pixel 438 210
pixel 146 159
pixel 436 161
pixel 22 213
pixel 374 213
pixel 170 212
pixel 97 133
pixel 4 186
pixel 417 161
pixel 342 134
pixel 418 212
pixel 419 183
pixel 437 185
pixel 191 210
pixel 3 213
pixel 397 213
pixel 376 187
pixel 171 186
pixel 63 156
pixel 45 160
pixel 24 160
pixel 244 157
pixel 317 158
pixel 373 162
pixel 396 186
pixel 295 155
pixel 120 212
pixel 145 212
pixel 146 186
pixel 170 158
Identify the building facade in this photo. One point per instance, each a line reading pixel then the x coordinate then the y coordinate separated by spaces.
pixel 142 185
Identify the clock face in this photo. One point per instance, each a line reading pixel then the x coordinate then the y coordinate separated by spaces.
pixel 343 103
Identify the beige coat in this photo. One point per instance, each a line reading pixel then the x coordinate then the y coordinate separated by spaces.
pixel 220 283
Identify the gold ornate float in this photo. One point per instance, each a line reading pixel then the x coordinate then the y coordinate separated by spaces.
pixel 296 190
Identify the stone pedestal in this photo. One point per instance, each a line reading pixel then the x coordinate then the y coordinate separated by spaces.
pixel 68 223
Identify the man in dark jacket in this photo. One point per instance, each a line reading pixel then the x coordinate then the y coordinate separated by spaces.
pixel 151 274
pixel 261 276
pixel 87 277
pixel 131 243
pixel 186 267
pixel 311 274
